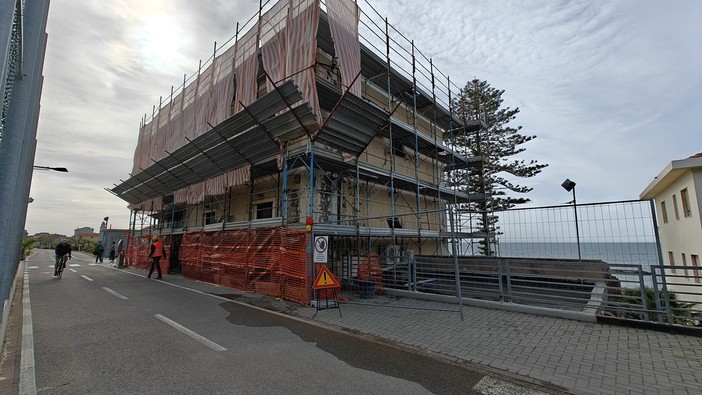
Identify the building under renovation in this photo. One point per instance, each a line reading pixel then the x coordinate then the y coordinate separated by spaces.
pixel 300 120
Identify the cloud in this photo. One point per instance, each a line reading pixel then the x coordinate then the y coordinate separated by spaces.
pixel 612 89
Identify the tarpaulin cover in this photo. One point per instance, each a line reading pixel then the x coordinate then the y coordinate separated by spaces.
pixel 301 49
pixel 343 23
pixel 287 36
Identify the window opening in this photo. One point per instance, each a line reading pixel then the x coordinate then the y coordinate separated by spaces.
pixel 675 208
pixel 685 203
pixel 264 210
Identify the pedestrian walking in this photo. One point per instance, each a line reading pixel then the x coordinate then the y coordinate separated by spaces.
pixel 98 251
pixel 157 251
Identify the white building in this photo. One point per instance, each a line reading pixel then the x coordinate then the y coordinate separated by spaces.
pixel 677 191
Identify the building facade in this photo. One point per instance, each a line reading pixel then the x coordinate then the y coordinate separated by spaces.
pixel 677 191
pixel 301 121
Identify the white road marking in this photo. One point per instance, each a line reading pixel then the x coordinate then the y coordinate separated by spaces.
pixel 74 264
pixel 73 270
pixel 33 267
pixel 28 381
pixel 222 298
pixel 201 339
pixel 86 277
pixel 114 293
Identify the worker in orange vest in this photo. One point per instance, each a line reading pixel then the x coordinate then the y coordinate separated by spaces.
pixel 157 252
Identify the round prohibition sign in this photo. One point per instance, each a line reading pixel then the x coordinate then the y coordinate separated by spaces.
pixel 320 245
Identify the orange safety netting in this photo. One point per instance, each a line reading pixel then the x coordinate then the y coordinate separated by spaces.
pixel 270 261
pixel 137 254
pixel 371 270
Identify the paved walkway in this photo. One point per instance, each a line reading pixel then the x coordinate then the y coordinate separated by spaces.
pixel 583 357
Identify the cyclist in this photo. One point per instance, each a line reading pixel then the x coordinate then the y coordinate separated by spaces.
pixel 62 249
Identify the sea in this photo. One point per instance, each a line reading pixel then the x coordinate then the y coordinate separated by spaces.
pixel 644 254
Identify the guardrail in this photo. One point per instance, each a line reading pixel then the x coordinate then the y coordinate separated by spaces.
pixel 625 291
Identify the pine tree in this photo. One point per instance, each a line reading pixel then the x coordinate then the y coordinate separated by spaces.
pixel 497 142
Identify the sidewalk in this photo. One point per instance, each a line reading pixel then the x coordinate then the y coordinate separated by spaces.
pixel 580 356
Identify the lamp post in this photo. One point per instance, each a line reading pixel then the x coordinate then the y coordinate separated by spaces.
pixel 59 169
pixel 569 185
pixel 104 241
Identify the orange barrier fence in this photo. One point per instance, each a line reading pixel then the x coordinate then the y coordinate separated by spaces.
pixel 370 269
pixel 270 261
pixel 137 254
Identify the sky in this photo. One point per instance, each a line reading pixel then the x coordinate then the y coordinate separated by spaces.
pixel 612 89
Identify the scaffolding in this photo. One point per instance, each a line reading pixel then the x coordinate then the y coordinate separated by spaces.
pixel 313 112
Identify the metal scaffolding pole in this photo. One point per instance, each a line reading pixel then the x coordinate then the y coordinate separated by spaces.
pixel 416 150
pixel 393 207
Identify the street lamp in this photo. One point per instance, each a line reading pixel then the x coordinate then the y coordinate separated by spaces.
pixel 59 169
pixel 569 185
pixel 103 237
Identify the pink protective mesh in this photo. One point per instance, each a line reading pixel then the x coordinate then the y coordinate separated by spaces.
pixel 202 101
pixel 246 66
pixel 343 23
pixel 222 87
pixel 219 184
pixel 287 33
pixel 273 38
pixel 301 49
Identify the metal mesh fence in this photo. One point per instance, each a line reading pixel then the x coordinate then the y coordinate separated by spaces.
pixel 11 65
pixel 609 268
pixel 616 232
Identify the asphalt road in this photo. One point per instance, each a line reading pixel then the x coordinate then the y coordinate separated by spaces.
pixel 100 330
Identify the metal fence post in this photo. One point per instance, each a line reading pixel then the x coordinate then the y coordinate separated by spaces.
pixel 664 284
pixel 656 298
pixel 500 283
pixel 508 280
pixel 457 271
pixel 642 288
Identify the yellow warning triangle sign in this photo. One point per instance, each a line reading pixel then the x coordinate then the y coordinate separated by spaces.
pixel 325 279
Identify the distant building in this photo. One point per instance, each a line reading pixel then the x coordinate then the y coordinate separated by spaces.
pixel 677 191
pixel 86 234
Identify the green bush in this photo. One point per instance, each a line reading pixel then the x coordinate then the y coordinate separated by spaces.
pixel 27 246
pixel 628 305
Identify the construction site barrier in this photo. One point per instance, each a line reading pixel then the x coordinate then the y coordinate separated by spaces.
pixel 137 254
pixel 269 261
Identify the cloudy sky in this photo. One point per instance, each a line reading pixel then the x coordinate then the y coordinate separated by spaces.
pixel 612 89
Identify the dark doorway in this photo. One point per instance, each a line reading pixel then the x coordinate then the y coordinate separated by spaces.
pixel 174 261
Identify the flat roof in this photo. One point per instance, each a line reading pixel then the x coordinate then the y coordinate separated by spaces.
pixel 671 173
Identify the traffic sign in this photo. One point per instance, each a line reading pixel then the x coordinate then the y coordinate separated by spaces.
pixel 325 279
pixel 321 246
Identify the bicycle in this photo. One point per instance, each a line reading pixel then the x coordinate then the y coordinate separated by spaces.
pixel 60 265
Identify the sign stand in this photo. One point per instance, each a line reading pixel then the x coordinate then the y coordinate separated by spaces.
pixel 326 282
